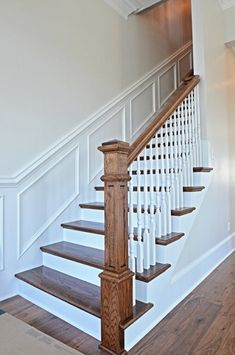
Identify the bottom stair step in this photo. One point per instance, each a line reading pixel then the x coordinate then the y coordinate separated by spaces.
pixel 78 293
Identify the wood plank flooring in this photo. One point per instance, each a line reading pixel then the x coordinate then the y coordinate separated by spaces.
pixel 202 324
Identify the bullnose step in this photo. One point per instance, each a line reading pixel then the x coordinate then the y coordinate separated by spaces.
pixel 95 258
pixel 78 253
pixel 98 228
pixel 202 169
pixel 78 293
pixel 100 206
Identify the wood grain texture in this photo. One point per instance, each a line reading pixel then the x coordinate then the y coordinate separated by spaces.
pixel 78 293
pixel 216 339
pixel 140 143
pixel 116 279
pixel 98 228
pixel 202 170
pixel 78 253
pixel 101 206
pixel 202 324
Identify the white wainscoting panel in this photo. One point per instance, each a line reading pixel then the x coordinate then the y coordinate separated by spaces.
pixel 142 108
pixel 167 84
pixel 184 66
pixel 112 128
pixel 1 234
pixel 44 199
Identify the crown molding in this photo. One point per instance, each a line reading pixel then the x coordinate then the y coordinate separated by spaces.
pixel 128 7
pixel 227 4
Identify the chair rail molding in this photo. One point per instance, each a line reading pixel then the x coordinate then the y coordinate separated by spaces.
pixel 120 105
pixel 226 4
pixel 128 7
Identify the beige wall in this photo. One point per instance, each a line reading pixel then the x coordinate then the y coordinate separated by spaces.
pixel 218 112
pixel 231 112
pixel 229 24
pixel 61 60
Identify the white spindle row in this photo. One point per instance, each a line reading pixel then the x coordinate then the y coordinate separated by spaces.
pixel 157 179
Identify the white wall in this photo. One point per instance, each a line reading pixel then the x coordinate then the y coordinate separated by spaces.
pixel 62 60
pixel 211 62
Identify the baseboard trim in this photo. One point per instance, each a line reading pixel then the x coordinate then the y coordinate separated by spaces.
pixel 183 280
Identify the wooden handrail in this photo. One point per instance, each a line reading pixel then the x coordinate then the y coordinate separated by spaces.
pixel 140 143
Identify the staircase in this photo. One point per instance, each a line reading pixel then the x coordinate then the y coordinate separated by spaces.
pixel 105 275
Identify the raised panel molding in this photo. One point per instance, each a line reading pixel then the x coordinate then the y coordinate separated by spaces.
pixel 112 127
pixel 142 108
pixel 96 119
pixel 167 84
pixel 184 66
pixel 1 234
pixel 41 202
pixel 226 4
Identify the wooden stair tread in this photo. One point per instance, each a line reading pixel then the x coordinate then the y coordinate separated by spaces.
pixel 95 258
pixel 78 253
pixel 182 211
pixel 193 188
pixel 100 206
pixel 135 188
pixel 152 272
pixel 202 169
pixel 195 170
pixel 139 310
pixel 78 293
pixel 85 226
pixel 98 228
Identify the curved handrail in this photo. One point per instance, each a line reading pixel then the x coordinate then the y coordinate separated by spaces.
pixel 140 143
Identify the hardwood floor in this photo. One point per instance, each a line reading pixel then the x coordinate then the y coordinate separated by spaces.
pixel 203 324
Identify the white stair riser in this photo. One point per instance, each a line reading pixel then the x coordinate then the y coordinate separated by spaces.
pixel 72 268
pixel 93 215
pixel 73 315
pixel 84 238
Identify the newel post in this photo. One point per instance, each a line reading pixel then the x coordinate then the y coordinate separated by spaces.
pixel 116 279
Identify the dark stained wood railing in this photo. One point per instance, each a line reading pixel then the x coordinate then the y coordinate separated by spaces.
pixel 116 279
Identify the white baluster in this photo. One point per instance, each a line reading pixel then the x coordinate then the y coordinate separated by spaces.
pixel 190 140
pixel 168 187
pixel 198 127
pixel 158 193
pixel 176 159
pixel 163 184
pixel 194 129
pixel 180 154
pixel 152 211
pixel 140 253
pixel 131 236
pixel 187 152
pixel 146 214
pixel 172 163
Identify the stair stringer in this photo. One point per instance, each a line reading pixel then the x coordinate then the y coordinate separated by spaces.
pixel 160 291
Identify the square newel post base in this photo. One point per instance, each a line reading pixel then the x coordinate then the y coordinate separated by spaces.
pixel 116 307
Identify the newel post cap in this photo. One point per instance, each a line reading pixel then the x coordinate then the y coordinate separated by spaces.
pixel 115 146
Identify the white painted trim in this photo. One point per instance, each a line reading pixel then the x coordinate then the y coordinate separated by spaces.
pixel 174 66
pixel 213 257
pixel 184 283
pixel 16 179
pixel 43 228
pixel 1 232
pixel 227 4
pixel 152 84
pixel 123 127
